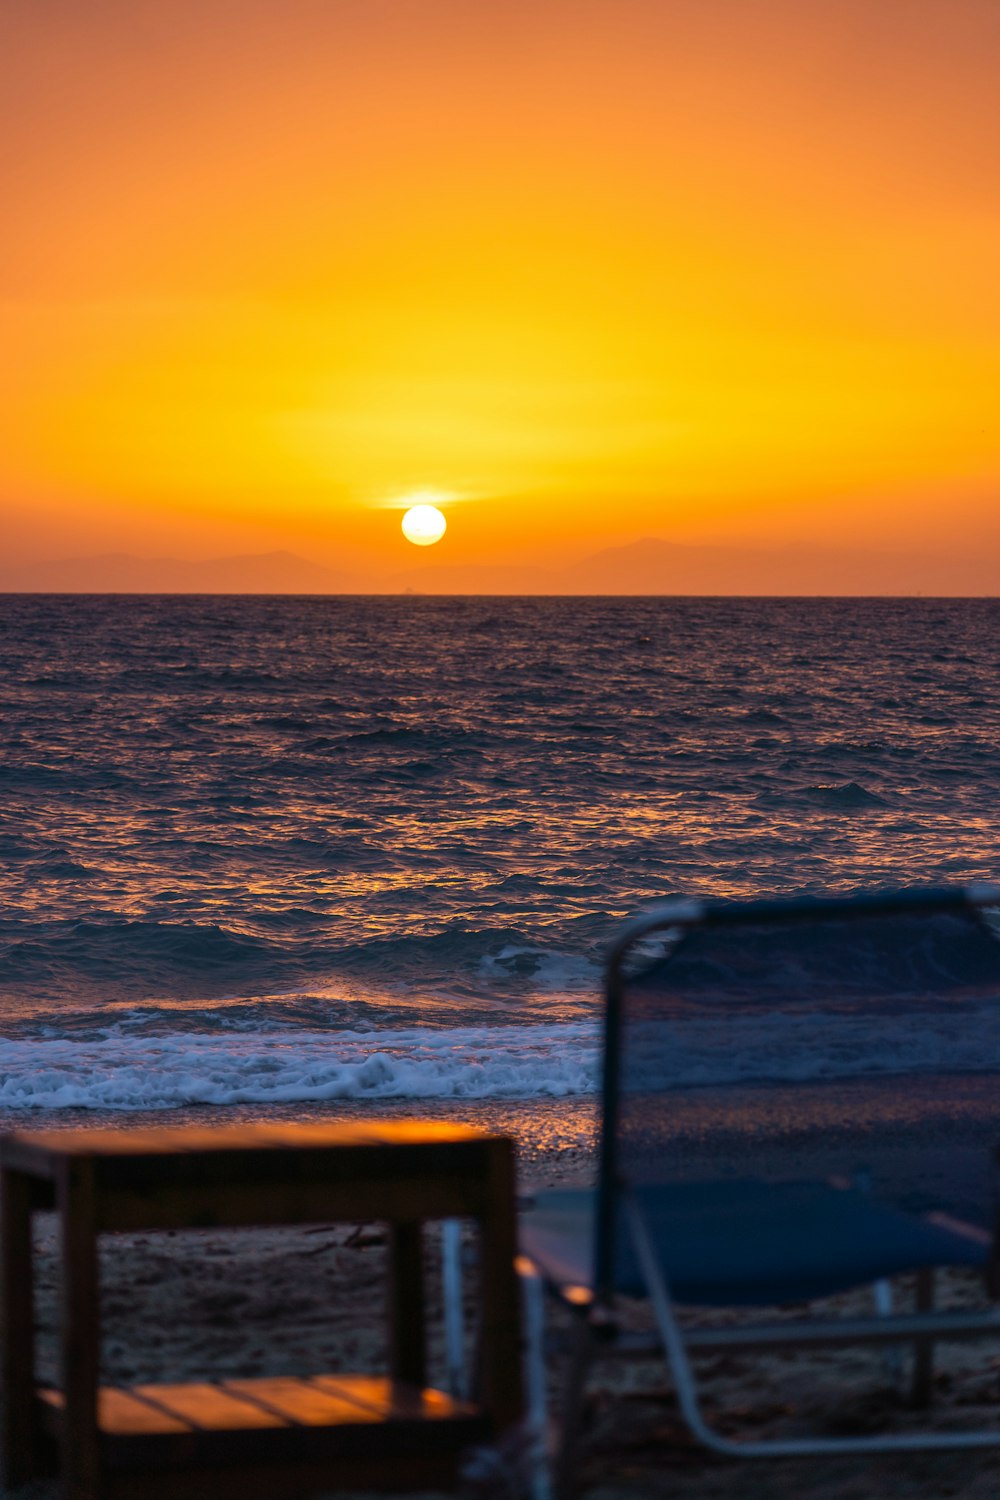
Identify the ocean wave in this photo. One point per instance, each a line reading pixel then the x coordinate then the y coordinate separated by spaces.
pixel 37 776
pixel 845 796
pixel 36 952
pixel 277 949
pixel 123 1072
pixel 548 969
pixel 122 1069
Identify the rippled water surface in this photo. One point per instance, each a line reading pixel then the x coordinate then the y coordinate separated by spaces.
pixel 276 850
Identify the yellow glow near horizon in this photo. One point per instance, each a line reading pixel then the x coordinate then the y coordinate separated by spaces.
pixel 423 525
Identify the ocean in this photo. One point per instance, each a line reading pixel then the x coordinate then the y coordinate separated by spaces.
pixel 296 856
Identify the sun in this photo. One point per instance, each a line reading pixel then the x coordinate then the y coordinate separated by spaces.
pixel 423 525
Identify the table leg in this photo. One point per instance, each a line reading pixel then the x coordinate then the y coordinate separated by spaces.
pixel 923 1348
pixel 18 1453
pixel 407 1311
pixel 500 1353
pixel 80 1330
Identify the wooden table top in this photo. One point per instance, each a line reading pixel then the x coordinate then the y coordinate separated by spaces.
pixel 24 1149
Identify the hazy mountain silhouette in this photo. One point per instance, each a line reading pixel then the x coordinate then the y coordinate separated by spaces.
pixel 650 566
pixel 654 566
pixel 121 573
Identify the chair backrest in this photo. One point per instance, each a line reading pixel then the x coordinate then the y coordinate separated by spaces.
pixel 855 1036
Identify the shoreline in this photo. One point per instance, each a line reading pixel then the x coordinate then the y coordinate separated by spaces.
pixel 788 1129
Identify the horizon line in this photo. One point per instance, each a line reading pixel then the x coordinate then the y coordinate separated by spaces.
pixel 430 594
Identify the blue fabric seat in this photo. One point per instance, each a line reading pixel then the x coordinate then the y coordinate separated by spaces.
pixel 748 1243
pixel 799 1037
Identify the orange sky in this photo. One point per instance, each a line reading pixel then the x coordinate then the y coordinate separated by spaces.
pixel 704 270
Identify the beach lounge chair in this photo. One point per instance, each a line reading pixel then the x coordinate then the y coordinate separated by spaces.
pixel 766 1068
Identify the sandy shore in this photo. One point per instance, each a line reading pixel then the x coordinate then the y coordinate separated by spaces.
pixel 184 1305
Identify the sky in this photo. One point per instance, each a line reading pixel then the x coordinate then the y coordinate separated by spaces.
pixel 714 272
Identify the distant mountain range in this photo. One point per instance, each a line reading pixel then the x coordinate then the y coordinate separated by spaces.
pixel 654 566
pixel 121 573
pixel 649 566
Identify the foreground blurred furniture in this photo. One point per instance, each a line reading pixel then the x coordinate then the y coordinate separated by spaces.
pixel 267 1437
pixel 731 1015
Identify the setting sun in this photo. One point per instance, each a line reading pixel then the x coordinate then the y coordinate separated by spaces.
pixel 423 525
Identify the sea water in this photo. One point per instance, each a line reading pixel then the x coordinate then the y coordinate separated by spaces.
pixel 299 854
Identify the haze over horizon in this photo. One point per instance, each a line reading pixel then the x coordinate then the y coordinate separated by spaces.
pixel 718 274
pixel 643 567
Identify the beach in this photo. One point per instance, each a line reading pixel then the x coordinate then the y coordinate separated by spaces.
pixel 188 1305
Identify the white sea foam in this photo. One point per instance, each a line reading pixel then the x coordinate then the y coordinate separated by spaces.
pixel 122 1071
pixel 131 1073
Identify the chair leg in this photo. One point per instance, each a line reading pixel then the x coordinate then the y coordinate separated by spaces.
pixel 923 1348
pixel 532 1289
pixel 892 1355
pixel 454 1318
pixel 670 1334
pixel 533 1304
pixel 580 1358
pixel 687 1394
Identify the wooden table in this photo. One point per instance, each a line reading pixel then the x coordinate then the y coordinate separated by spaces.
pixel 245 1437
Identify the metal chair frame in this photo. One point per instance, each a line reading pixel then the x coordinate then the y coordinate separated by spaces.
pixel 597 1332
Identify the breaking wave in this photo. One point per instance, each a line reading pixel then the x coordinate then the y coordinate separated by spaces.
pixel 122 1072
pixel 125 1070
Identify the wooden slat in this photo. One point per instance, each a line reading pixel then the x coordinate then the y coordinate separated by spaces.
pixel 169 1142
pixel 209 1407
pixel 420 1132
pixel 121 1413
pixel 127 1415
pixel 303 1403
pixel 395 1400
pixel 234 1405
pixel 239 1479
